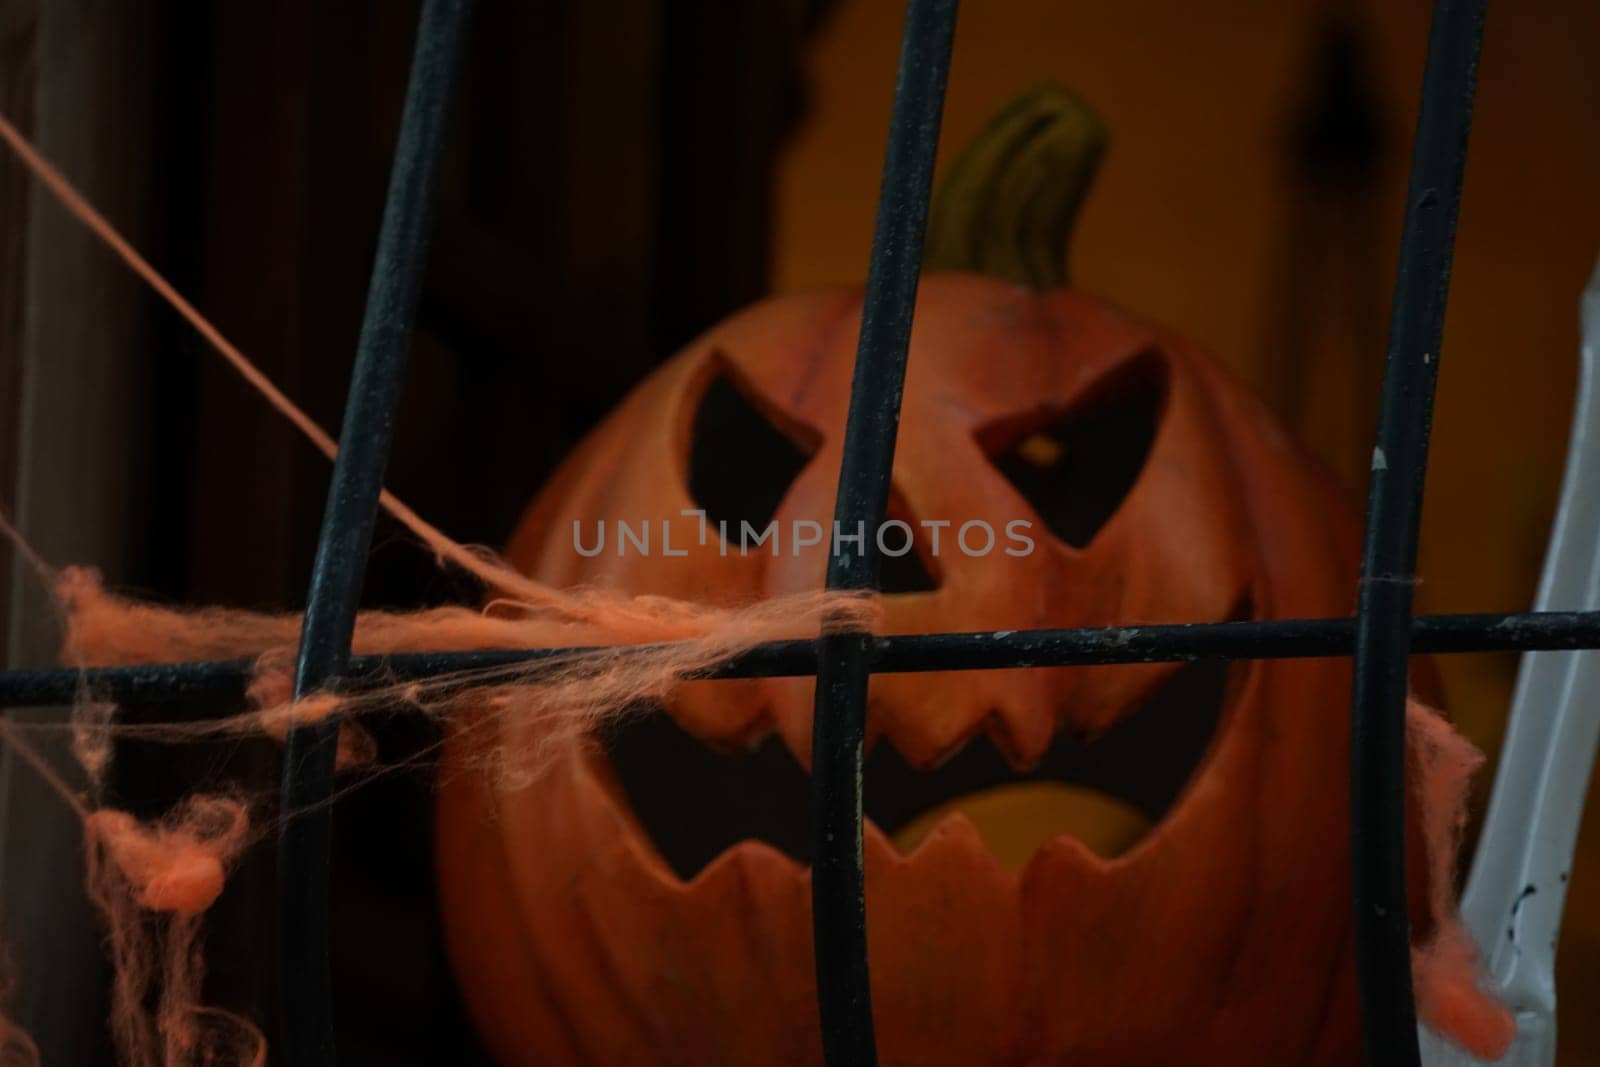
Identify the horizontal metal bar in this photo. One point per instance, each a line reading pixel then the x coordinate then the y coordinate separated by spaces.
pixel 225 680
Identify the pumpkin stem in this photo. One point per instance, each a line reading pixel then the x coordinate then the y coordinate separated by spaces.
pixel 1007 206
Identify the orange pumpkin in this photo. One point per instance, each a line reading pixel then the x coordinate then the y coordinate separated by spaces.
pixel 1157 491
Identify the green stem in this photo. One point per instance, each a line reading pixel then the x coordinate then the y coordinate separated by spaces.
pixel 1007 206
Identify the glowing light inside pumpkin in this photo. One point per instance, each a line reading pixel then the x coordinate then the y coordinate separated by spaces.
pixel 1041 450
pixel 1016 820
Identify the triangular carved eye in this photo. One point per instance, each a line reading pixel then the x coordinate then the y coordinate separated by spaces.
pixel 903 568
pixel 905 574
pixel 1076 467
pixel 741 463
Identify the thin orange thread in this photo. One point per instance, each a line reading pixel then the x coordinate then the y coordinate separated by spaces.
pixel 41 766
pixel 492 573
pixel 45 572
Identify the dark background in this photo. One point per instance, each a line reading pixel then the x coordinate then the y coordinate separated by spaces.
pixel 606 196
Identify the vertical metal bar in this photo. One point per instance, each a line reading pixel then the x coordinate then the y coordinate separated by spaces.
pixel 838 883
pixel 304 847
pixel 1399 464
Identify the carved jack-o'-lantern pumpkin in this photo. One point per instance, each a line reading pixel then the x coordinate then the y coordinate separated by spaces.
pixel 598 916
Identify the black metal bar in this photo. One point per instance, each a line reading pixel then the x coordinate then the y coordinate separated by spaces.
pixel 1399 465
pixel 838 883
pixel 225 680
pixel 353 494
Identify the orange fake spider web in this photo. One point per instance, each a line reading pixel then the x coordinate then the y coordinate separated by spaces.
pixel 152 882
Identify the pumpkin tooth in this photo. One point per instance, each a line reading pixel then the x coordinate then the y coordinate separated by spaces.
pixel 954 839
pixel 1017 819
pixel 928 746
pixel 1058 863
pixel 795 732
pixel 787 704
pixel 1022 744
pixel 1022 739
pixel 703 712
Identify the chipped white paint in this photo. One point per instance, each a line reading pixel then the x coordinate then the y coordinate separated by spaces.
pixel 1514 896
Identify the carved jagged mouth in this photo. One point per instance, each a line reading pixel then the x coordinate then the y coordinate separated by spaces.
pixel 695 802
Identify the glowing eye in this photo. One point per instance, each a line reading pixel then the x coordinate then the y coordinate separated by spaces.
pixel 1041 450
pixel 1076 467
pixel 908 571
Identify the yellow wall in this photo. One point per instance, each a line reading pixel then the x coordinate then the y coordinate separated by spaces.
pixel 1185 226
